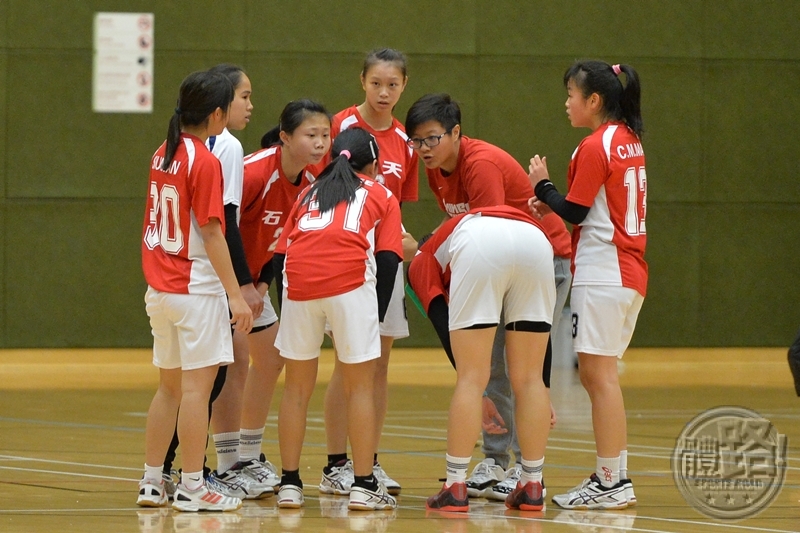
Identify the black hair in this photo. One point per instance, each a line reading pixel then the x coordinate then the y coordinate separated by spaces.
pixel 339 182
pixel 439 107
pixel 291 118
pixel 620 101
pixel 229 70
pixel 201 93
pixel 389 55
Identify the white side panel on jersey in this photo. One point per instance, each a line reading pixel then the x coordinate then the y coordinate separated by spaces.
pixel 596 259
pixel 203 278
pixel 348 122
pixel 608 135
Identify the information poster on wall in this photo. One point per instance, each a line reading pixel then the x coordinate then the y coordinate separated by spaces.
pixel 122 78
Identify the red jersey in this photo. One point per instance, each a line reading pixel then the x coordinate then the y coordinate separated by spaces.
pixel 332 253
pixel 267 198
pixel 607 175
pixel 429 272
pixel 181 199
pixel 399 164
pixel 486 175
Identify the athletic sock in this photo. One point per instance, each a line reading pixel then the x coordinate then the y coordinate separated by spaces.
pixel 153 473
pixel 250 444
pixel 531 471
pixel 623 464
pixel 375 459
pixel 192 480
pixel 368 482
pixel 227 445
pixel 608 471
pixel 335 459
pixel 291 477
pixel 456 469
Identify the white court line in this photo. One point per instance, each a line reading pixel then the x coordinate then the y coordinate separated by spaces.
pixel 71 463
pixel 75 474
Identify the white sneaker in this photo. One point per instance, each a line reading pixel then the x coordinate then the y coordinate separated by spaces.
pixel 392 486
pixel 591 494
pixel 203 499
pixel 262 472
pixel 339 480
pixel 363 499
pixel 151 493
pixel 290 497
pixel 484 476
pixel 629 494
pixel 501 491
pixel 234 483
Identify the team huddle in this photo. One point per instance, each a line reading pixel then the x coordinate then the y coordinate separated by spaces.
pixel 317 212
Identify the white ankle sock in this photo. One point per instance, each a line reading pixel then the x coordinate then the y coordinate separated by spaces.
pixel 192 480
pixel 227 445
pixel 531 471
pixel 608 470
pixel 153 473
pixel 456 469
pixel 250 444
pixel 623 464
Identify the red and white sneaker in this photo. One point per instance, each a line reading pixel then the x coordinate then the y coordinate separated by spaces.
pixel 203 499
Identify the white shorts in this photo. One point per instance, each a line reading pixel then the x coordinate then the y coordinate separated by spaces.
pixel 500 264
pixel 395 323
pixel 268 315
pixel 603 318
pixel 353 320
pixel 190 331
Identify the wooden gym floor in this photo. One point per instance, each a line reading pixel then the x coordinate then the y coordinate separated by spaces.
pixel 72 446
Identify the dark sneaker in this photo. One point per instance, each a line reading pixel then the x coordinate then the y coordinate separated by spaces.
pixel 526 497
pixel 452 498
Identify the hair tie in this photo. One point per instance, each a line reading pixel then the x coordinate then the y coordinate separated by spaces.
pixel 178 111
pixel 346 154
pixel 616 69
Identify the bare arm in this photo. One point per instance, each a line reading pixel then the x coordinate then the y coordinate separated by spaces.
pixel 217 251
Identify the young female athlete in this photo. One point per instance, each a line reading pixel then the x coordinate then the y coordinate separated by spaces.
pixel 226 396
pixel 273 179
pixel 486 262
pixel 606 203
pixel 345 215
pixel 188 270
pixel 383 78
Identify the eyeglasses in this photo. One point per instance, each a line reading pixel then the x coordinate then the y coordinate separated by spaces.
pixel 430 142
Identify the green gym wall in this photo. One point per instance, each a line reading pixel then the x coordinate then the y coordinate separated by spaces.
pixel 720 80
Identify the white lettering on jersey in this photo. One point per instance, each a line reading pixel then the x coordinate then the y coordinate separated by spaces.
pixel 271 218
pixel 630 150
pixel 456 209
pixel 173 167
pixel 390 167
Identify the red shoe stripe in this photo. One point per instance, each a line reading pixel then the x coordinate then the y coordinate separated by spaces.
pixel 211 497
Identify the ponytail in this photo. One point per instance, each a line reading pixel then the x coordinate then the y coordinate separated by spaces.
pixel 173 138
pixel 631 101
pixel 621 98
pixel 353 150
pixel 201 94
